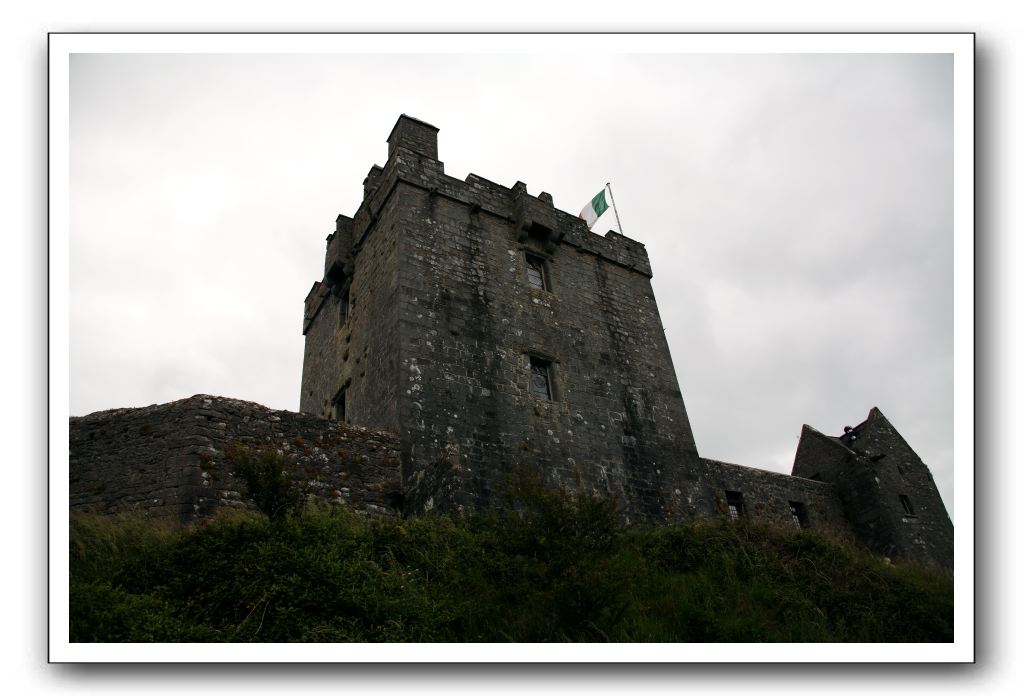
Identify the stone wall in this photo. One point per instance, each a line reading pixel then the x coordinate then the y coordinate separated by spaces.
pixel 169 461
pixel 350 328
pixel 700 491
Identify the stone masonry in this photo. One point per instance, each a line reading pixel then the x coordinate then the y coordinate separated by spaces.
pixel 170 461
pixel 889 496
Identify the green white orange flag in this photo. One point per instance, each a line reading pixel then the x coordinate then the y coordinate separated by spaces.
pixel 594 209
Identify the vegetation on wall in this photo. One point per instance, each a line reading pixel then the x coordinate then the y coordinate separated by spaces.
pixel 550 567
pixel 267 475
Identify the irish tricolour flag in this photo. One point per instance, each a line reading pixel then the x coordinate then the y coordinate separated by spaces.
pixel 593 209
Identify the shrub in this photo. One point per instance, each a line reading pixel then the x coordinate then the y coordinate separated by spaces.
pixel 267 475
pixel 553 561
pixel 548 565
pixel 101 613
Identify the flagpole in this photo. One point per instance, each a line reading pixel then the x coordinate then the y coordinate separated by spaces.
pixel 616 208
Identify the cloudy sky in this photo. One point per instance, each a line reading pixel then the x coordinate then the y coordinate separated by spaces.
pixel 797 210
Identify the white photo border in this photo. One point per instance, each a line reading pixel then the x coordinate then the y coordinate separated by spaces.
pixel 63 45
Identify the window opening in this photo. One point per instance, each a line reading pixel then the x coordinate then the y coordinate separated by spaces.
pixel 734 500
pixel 535 272
pixel 343 307
pixel 540 379
pixel 798 511
pixel 907 506
pixel 337 407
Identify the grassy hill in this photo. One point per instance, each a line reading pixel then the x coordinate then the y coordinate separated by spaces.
pixel 553 568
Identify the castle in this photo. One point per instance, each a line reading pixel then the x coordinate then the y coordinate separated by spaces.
pixel 463 330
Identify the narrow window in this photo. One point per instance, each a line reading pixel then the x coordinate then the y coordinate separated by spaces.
pixel 907 506
pixel 337 406
pixel 540 378
pixel 343 307
pixel 734 500
pixel 798 511
pixel 535 272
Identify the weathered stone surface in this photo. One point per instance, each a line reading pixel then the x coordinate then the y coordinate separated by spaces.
pixel 700 491
pixel 170 460
pixel 877 476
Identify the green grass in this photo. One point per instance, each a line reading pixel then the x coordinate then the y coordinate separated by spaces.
pixel 559 568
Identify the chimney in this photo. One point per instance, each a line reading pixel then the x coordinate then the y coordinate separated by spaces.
pixel 415 135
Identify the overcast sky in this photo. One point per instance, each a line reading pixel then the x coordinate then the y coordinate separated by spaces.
pixel 797 210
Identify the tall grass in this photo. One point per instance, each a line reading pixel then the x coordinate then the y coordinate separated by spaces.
pixel 551 567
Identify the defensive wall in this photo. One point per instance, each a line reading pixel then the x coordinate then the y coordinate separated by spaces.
pixel 171 460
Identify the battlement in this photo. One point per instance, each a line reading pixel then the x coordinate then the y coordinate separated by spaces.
pixel 413 161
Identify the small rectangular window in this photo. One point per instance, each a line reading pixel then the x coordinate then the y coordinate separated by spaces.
pixel 343 307
pixel 907 506
pixel 337 407
pixel 798 511
pixel 734 500
pixel 540 378
pixel 535 272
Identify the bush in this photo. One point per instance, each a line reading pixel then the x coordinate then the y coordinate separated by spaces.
pixel 553 561
pixel 105 614
pixel 267 475
pixel 545 566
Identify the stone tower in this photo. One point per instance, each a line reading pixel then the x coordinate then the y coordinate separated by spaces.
pixel 492 331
